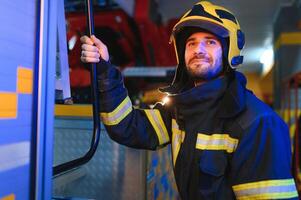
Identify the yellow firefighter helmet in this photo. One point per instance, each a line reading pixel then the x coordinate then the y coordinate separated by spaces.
pixel 219 21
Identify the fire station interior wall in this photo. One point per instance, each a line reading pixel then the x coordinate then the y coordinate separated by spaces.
pixel 266 85
pixel 287 91
pixel 287 46
pixel 115 172
pixel 17 55
pixel 261 86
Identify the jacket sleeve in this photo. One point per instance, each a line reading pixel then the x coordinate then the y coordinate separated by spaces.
pixel 261 164
pixel 133 127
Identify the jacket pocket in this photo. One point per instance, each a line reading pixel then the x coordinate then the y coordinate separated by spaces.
pixel 212 167
pixel 213 163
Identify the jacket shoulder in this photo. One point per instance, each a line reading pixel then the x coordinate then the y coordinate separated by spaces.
pixel 255 109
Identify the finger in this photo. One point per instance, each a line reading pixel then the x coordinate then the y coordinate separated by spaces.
pixel 88 47
pixel 89 59
pixel 98 42
pixel 86 40
pixel 90 54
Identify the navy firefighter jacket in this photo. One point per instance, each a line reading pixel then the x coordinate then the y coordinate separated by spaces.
pixel 226 144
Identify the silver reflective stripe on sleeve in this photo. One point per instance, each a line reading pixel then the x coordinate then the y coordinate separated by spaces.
pixel 268 189
pixel 118 114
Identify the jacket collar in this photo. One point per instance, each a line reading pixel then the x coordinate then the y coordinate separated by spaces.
pixel 234 99
pixel 207 92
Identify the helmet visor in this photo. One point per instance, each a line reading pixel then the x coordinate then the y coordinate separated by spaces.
pixel 204 24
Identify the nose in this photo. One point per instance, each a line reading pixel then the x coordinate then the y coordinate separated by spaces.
pixel 200 48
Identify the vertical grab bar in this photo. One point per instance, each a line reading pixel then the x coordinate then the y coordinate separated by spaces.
pixel 95 104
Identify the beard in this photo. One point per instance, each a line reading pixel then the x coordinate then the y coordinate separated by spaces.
pixel 201 68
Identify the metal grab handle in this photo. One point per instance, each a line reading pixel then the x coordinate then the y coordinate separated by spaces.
pixel 95 102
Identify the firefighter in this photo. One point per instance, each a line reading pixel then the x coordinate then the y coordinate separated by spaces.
pixel 226 143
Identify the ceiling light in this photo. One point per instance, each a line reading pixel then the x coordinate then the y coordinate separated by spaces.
pixel 267 60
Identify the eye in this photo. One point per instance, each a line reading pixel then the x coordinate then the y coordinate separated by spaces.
pixel 211 42
pixel 190 44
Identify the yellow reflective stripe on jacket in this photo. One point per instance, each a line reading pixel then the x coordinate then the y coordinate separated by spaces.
pixel 216 142
pixel 271 189
pixel 177 138
pixel 156 120
pixel 118 114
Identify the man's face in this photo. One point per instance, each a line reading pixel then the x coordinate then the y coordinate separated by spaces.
pixel 203 56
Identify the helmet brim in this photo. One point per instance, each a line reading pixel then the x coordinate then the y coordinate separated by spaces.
pixel 203 24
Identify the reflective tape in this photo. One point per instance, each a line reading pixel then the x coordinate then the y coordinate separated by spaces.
pixel 216 142
pixel 8 105
pixel 9 197
pixel 14 155
pixel 177 139
pixel 24 80
pixel 118 114
pixel 156 120
pixel 271 189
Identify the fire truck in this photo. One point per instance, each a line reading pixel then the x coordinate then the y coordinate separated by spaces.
pixel 134 32
pixel 38 136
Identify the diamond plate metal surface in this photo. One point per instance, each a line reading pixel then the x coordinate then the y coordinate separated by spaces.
pixel 115 172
